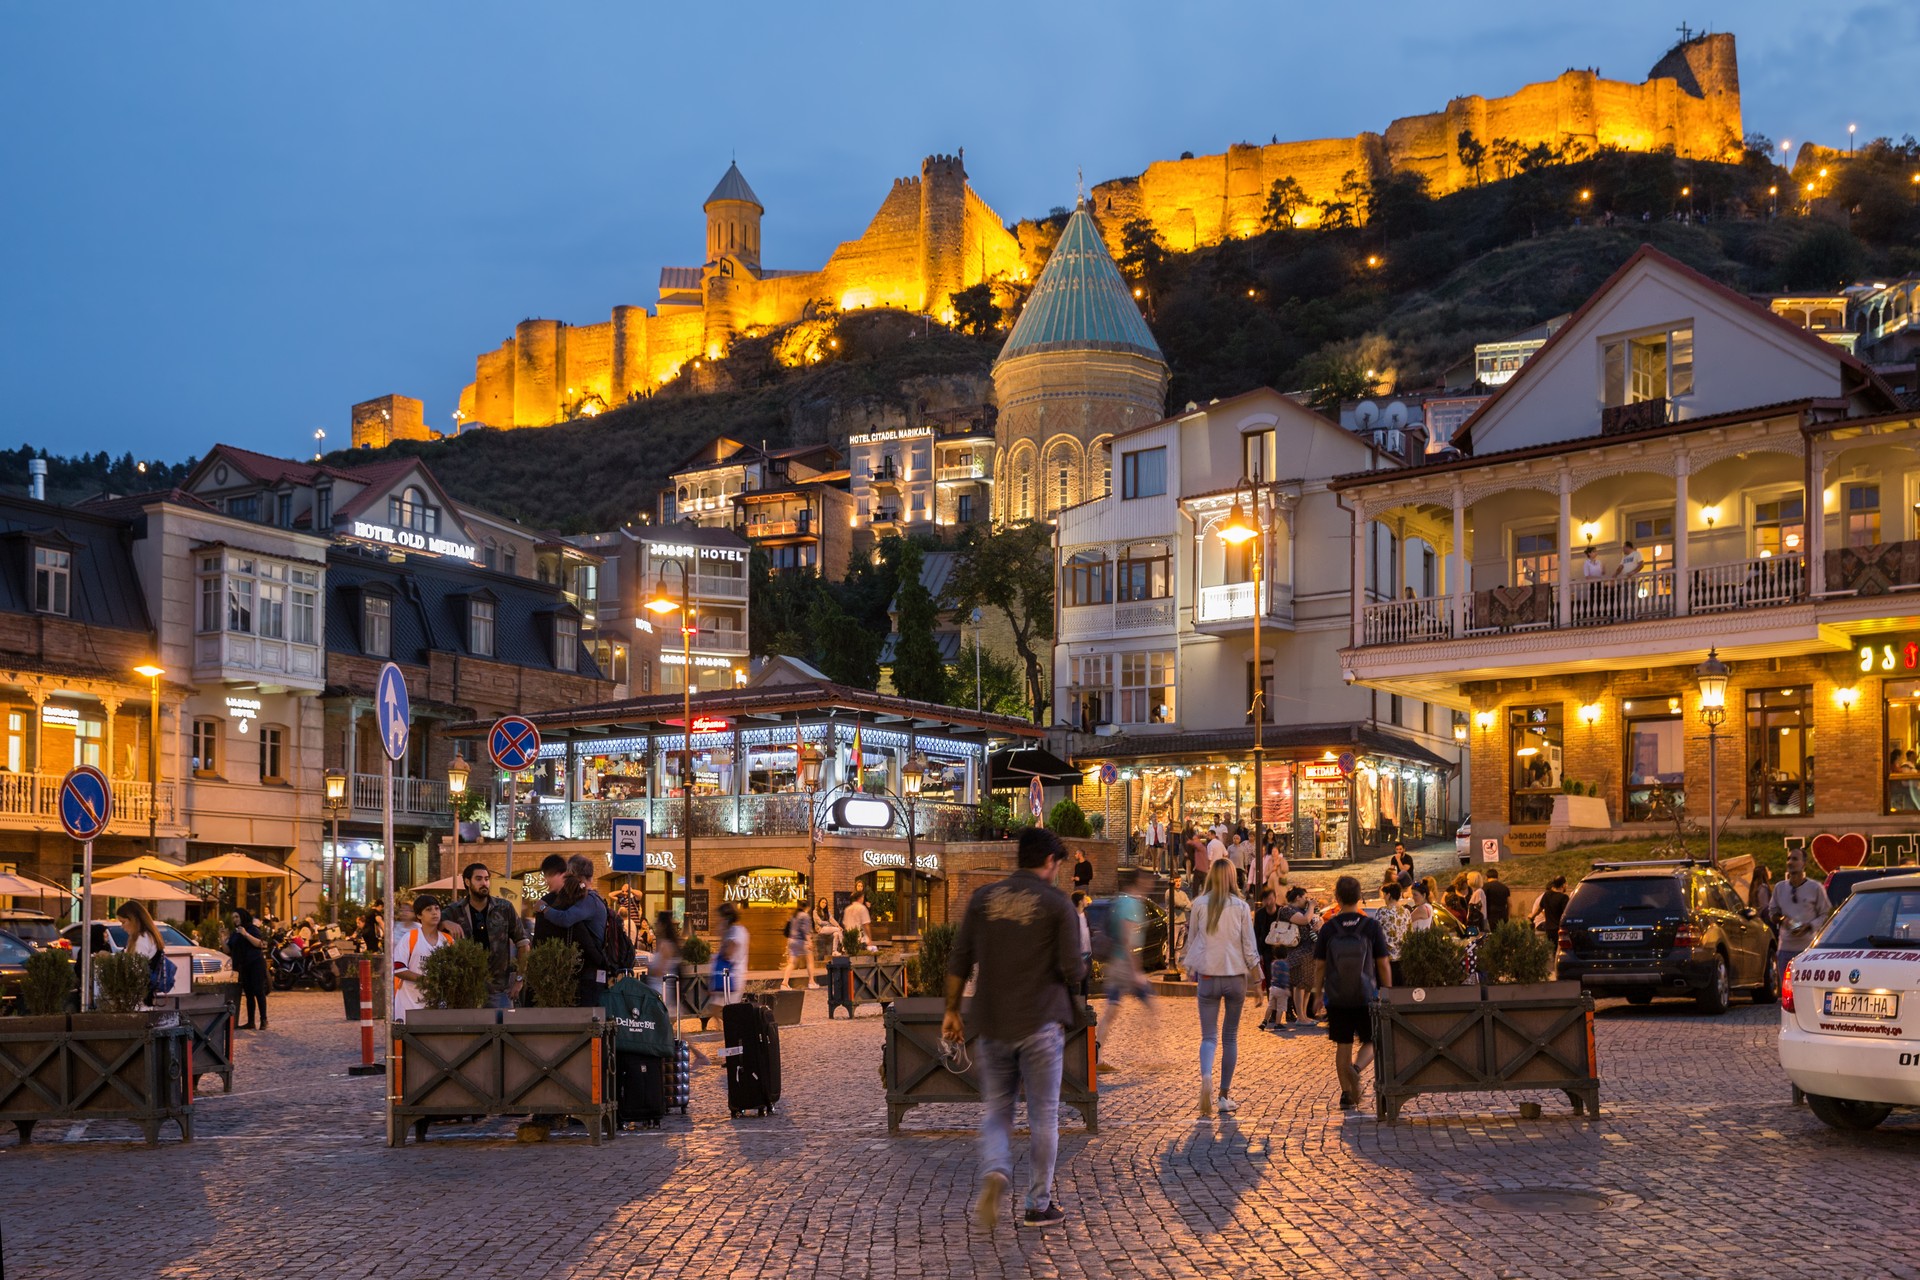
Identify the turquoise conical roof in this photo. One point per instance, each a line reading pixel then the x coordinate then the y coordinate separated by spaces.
pixel 733 186
pixel 1081 302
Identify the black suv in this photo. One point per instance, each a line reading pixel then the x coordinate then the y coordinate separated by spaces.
pixel 1643 929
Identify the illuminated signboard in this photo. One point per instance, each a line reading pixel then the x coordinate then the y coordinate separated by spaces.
pixel 1321 772
pixel 881 437
pixel 413 540
pixel 673 659
pixel 682 551
pixel 1883 655
pixel 705 724
pixel 767 887
pixel 889 858
pixel 862 813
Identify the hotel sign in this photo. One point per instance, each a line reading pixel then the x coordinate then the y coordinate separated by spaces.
pixel 413 540
pixel 882 437
pixel 1900 655
pixel 684 551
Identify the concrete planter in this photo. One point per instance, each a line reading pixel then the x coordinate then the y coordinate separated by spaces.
pixel 914 1074
pixel 459 1063
pixel 97 1066
pixel 1475 1039
pixel 210 1017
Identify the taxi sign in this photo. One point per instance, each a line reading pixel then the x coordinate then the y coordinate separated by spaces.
pixel 629 851
pixel 513 743
pixel 392 711
pixel 86 802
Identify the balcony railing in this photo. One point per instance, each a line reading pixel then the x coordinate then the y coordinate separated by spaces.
pixel 1609 600
pixel 410 795
pixel 1233 602
pixel 35 797
pixel 961 471
pixel 781 814
pixel 1747 584
pixel 1399 621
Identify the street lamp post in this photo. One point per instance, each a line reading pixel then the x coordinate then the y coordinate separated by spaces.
pixel 662 603
pixel 153 671
pixel 1713 709
pixel 809 758
pixel 456 791
pixel 1237 530
pixel 336 781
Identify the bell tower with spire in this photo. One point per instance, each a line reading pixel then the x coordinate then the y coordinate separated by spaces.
pixel 733 220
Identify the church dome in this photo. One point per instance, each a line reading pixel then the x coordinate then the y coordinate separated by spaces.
pixel 1081 302
pixel 733 186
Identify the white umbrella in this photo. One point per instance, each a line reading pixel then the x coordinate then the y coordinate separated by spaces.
pixel 145 888
pixel 21 887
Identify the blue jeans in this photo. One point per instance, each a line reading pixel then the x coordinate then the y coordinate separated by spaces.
pixel 1035 1063
pixel 1232 991
pixel 499 1000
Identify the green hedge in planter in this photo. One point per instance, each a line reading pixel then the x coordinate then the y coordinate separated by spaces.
pixel 124 981
pixel 456 976
pixel 930 969
pixel 1515 952
pixel 695 951
pixel 1432 958
pixel 48 983
pixel 1068 819
pixel 552 974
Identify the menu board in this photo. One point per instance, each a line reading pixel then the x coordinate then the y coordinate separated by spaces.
pixel 696 920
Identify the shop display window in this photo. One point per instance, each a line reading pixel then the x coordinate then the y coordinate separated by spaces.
pixel 1656 766
pixel 1536 743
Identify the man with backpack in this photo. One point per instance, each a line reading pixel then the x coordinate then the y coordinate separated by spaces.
pixel 1353 955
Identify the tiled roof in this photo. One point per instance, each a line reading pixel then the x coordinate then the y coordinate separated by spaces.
pixel 126 506
pixel 686 279
pixel 105 589
pixel 733 186
pixel 1081 302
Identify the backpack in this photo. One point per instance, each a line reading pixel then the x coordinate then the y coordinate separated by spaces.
pixel 1352 982
pixel 617 945
pixel 162 973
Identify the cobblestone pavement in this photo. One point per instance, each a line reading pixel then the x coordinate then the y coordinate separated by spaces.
pixel 1708 1168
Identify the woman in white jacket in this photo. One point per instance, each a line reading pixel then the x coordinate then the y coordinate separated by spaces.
pixel 1220 950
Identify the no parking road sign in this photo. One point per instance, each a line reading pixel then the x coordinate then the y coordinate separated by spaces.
pixel 86 803
pixel 513 743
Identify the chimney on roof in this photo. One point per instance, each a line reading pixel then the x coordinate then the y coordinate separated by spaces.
pixel 37 479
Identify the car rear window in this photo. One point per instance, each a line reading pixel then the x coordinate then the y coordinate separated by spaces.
pixel 1875 918
pixel 1643 895
pixel 13 951
pixel 174 937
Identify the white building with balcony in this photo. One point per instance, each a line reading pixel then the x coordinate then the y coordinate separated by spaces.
pixel 1155 669
pixel 921 478
pixel 1678 471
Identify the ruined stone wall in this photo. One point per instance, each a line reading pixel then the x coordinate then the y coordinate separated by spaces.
pixel 384 419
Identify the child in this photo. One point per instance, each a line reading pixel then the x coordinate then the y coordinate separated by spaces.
pixel 1279 995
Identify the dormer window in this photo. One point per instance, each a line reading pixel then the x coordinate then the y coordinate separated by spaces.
pixel 410 511
pixel 52 580
pixel 322 508
pixel 1647 366
pixel 480 628
pixel 376 626
pixel 566 644
pixel 245 506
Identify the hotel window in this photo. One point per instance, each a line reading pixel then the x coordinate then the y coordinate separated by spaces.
pixel 1779 751
pixel 480 628
pixel 1656 764
pixel 1146 571
pixel 270 618
pixel 1143 474
pixel 1779 526
pixel 1086 579
pixel 244 507
pixel 1535 743
pixel 1652 366
pixel 306 605
pixel 285 505
pixel 1652 537
pixel 410 511
pixel 89 738
pixel 1536 558
pixel 1902 712
pixel 1266 691
pixel 52 580
pixel 1863 515
pixel 239 595
pixel 376 627
pixel 273 741
pixel 206 746
pixel 1090 696
pixel 1146 688
pixel 566 644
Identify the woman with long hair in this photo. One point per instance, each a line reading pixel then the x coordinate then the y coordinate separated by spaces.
pixel 249 951
pixel 1221 951
pixel 1421 916
pixel 143 939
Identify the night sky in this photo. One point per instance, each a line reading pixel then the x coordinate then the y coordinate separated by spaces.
pixel 231 221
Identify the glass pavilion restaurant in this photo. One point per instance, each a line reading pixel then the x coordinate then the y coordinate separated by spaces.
pixel 889 784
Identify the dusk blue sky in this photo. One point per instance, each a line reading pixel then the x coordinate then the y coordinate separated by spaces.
pixel 231 221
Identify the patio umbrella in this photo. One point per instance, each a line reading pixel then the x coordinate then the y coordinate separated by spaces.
pixel 236 866
pixel 145 888
pixel 144 865
pixel 453 884
pixel 22 887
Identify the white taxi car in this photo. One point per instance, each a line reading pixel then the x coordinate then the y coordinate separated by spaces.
pixel 1850 1008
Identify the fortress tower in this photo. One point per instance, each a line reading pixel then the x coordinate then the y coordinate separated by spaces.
pixel 1079 366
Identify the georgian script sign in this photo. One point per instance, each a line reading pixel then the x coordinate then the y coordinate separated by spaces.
pixel 897 859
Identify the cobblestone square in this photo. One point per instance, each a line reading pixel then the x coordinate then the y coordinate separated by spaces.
pixel 1699 1166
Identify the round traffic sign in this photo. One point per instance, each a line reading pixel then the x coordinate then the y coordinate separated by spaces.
pixel 393 713
pixel 1036 798
pixel 86 802
pixel 1109 773
pixel 1347 763
pixel 513 743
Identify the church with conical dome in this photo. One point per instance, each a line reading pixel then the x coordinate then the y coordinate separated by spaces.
pixel 1079 366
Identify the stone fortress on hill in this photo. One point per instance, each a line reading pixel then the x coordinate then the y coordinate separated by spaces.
pixel 933 235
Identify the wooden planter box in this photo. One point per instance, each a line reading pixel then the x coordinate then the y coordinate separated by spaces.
pixel 786 1003
pixel 879 981
pixel 97 1066
pixel 1474 1039
pixel 459 1063
pixel 209 1015
pixel 914 1073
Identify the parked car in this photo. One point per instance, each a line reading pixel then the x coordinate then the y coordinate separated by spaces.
pixel 1463 840
pixel 1645 929
pixel 13 971
pixel 1152 951
pixel 35 928
pixel 189 960
pixel 1848 1036
pixel 1842 883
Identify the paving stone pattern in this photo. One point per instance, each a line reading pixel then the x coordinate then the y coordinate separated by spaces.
pixel 1708 1168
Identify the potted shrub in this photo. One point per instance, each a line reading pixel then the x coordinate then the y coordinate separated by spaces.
pixel 929 972
pixel 913 1072
pixel 1067 820
pixel 550 974
pixel 48 988
pixel 454 980
pixel 121 982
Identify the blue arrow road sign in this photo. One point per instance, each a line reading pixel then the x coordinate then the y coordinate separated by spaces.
pixel 629 844
pixel 392 711
pixel 513 743
pixel 86 803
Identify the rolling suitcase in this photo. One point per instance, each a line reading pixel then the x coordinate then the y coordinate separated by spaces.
pixel 643 1089
pixel 682 1076
pixel 753 1058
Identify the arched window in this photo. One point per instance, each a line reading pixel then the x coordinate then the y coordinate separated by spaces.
pixel 410 511
pixel 1062 476
pixel 1100 467
pixel 1146 571
pixel 1086 579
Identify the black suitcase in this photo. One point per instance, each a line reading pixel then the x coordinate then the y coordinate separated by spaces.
pixel 753 1057
pixel 642 1087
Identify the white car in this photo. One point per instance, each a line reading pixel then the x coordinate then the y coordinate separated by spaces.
pixel 190 960
pixel 1463 840
pixel 1850 1008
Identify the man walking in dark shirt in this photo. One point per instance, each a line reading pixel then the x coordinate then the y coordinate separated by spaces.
pixel 1499 900
pixel 1023 935
pixel 1353 955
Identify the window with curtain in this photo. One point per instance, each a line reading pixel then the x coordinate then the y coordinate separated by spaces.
pixel 1146 571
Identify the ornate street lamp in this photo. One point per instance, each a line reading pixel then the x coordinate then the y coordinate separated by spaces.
pixel 457 772
pixel 1712 675
pixel 1236 531
pixel 336 781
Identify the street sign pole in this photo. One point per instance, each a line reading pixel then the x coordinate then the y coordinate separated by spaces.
pixel 513 744
pixel 86 807
pixel 393 711
pixel 86 925
pixel 513 817
pixel 386 844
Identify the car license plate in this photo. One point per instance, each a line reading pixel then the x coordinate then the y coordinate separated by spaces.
pixel 1622 935
pixel 1862 1004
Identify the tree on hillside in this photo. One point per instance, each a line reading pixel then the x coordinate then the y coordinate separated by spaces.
pixel 1011 570
pixel 849 652
pixel 1505 153
pixel 1343 209
pixel 779 609
pixel 1473 154
pixel 1143 255
pixel 1001 686
pixel 1331 377
pixel 1285 198
pixel 918 672
pixel 1397 204
pixel 974 310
